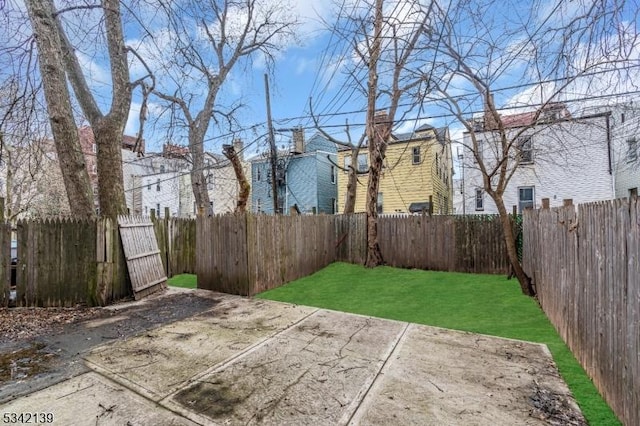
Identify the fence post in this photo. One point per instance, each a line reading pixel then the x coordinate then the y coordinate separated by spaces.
pixel 153 214
pixel 430 205
pixel 545 203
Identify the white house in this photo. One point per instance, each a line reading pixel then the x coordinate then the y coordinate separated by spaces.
pixel 163 180
pixel 559 158
pixel 626 156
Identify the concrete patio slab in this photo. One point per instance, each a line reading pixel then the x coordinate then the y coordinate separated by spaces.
pixel 91 399
pixel 158 362
pixel 247 361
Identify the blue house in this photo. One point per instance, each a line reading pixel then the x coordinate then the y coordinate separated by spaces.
pixel 306 178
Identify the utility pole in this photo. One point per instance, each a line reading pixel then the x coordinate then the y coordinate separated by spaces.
pixel 272 143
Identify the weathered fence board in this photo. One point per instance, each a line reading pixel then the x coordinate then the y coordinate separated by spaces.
pixel 587 273
pixel 144 262
pixel 5 263
pixel 56 262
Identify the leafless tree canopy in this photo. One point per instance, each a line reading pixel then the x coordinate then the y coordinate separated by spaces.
pixel 194 53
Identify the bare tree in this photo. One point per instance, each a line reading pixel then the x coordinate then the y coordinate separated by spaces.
pixel 389 53
pixel 76 178
pixel 59 64
pixel 206 40
pixel 561 45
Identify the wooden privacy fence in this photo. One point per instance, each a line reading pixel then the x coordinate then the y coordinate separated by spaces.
pixel 444 243
pixel 245 254
pixel 586 269
pixel 67 262
pixel 177 243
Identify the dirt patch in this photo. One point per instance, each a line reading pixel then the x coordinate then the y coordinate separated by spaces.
pixel 213 399
pixel 18 324
pixel 554 408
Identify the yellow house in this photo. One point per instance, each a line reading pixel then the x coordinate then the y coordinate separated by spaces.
pixel 417 166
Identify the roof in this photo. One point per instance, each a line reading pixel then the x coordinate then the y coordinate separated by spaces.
pixel 549 112
pixel 441 135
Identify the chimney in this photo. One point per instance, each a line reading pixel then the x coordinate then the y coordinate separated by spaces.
pixel 238 146
pixel 490 122
pixel 298 140
pixel 381 118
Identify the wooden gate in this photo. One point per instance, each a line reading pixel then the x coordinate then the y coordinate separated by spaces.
pixel 143 256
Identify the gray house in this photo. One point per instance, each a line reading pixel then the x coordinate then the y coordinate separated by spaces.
pixel 306 178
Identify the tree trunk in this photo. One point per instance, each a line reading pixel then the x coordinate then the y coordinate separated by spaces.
pixel 512 252
pixel 198 181
pixel 374 255
pixel 352 182
pixel 65 133
pixel 243 195
pixel 375 144
pixel 108 138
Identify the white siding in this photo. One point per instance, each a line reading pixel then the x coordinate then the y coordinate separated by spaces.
pixel 627 173
pixel 570 161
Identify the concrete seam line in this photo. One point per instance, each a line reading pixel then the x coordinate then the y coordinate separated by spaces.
pixel 247 351
pixel 399 340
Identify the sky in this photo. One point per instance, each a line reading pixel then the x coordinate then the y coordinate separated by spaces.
pixel 312 65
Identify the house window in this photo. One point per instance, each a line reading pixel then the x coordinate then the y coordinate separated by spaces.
pixel 632 150
pixel 525 149
pixel 158 209
pixel 259 206
pixel 526 198
pixel 633 193
pixel 479 199
pixel 380 202
pixel 415 155
pixel 333 174
pixel 149 185
pixel 363 166
pixel 347 163
pixel 157 184
pixel 162 168
pixel 258 175
pixel 94 148
pixel 334 206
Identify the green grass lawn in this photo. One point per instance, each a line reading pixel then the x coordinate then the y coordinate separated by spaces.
pixel 488 304
pixel 183 280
